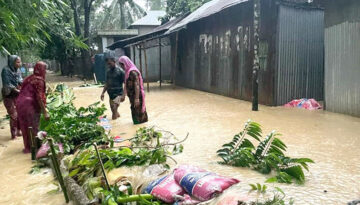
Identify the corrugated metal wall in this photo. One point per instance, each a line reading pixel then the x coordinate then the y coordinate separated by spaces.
pixel 300 54
pixel 342 75
pixel 215 53
pixel 152 53
pixel 342 56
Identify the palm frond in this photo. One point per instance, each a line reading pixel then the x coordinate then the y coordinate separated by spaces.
pixel 271 144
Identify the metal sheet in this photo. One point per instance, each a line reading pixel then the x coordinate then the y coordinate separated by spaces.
pixel 342 68
pixel 205 10
pixel 215 53
pixel 152 52
pixel 300 54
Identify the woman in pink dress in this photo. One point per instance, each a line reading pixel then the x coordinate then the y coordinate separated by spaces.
pixel 31 103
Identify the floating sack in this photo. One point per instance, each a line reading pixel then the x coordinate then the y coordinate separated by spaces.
pixel 202 184
pixel 165 189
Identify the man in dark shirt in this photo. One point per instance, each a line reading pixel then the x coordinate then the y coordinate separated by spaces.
pixel 115 77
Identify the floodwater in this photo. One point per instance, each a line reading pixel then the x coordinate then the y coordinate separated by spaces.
pixel 331 140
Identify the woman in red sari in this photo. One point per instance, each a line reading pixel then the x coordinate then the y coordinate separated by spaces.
pixel 31 103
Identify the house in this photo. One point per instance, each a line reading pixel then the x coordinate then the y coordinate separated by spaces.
pixel 107 37
pixel 215 51
pixel 151 45
pixel 342 55
pixel 148 23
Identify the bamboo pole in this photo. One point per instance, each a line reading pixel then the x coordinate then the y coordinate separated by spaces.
pixel 57 170
pixel 32 143
pixel 146 70
pixel 102 166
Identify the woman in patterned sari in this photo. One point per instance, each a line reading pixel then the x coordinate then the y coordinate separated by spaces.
pixel 134 89
pixel 31 103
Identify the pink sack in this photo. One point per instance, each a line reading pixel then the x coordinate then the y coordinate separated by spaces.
pixel 201 184
pixel 165 189
pixel 42 152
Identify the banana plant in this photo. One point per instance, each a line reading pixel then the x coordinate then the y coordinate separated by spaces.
pixel 266 157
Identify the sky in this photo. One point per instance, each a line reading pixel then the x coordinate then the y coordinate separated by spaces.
pixel 141 3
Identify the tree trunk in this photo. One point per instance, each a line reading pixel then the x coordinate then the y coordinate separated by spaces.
pixel 76 18
pixel 87 11
pixel 85 54
pixel 122 14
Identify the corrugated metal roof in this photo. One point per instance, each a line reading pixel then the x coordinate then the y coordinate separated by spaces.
pixel 156 32
pixel 205 10
pixel 151 19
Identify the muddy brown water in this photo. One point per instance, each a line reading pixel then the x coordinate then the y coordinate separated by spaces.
pixel 331 140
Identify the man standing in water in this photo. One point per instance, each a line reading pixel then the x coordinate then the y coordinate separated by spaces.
pixel 115 77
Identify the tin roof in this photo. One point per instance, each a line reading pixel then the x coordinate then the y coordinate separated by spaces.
pixel 205 10
pixel 156 32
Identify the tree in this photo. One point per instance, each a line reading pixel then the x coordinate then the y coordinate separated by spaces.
pixel 63 42
pixel 155 4
pixel 120 14
pixel 176 8
pixel 82 11
pixel 26 24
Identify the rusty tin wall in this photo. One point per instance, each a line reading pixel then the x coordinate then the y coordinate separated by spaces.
pixel 215 53
pixel 300 54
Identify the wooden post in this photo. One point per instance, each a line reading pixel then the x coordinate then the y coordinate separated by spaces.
pixel 146 69
pixel 102 166
pixel 160 61
pixel 134 54
pixel 256 65
pixel 140 59
pixel 32 143
pixel 175 60
pixel 57 170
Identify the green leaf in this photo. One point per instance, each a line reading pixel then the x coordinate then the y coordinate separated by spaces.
pixel 74 172
pixel 271 180
pixel 253 187
pixel 280 190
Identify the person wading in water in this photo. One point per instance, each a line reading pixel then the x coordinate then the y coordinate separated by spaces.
pixel 134 89
pixel 115 77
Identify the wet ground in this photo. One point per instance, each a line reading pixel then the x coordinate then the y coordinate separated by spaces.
pixel 331 140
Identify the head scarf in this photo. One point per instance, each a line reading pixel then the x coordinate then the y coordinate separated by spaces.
pixel 130 66
pixel 11 62
pixel 40 70
pixel 37 79
pixel 10 77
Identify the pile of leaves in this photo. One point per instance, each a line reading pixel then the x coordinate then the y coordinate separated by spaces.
pixel 74 128
pixel 268 156
pixel 149 146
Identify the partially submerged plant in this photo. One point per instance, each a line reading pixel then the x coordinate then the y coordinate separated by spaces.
pixel 74 128
pixel 277 199
pixel 268 156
